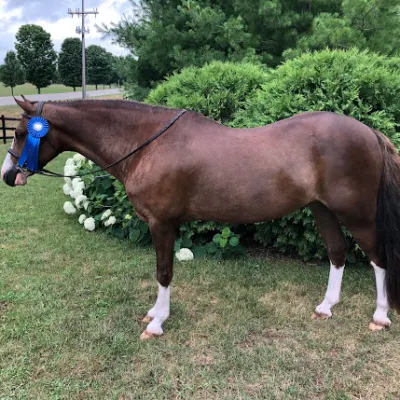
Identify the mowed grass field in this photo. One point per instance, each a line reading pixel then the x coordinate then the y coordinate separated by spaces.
pixel 27 89
pixel 71 304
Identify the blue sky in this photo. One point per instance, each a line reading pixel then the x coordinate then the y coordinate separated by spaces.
pixel 53 17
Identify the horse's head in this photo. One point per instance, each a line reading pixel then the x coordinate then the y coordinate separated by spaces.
pixel 14 172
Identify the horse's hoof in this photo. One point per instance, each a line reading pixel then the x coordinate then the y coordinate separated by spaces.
pixel 375 326
pixel 148 335
pixel 320 316
pixel 147 319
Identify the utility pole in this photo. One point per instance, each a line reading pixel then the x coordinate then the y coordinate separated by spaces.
pixel 82 30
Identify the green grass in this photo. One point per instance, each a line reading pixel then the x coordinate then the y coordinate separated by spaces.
pixel 27 89
pixel 70 318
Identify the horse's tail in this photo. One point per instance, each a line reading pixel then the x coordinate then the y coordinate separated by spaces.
pixel 388 219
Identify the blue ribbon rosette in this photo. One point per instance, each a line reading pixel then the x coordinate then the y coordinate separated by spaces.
pixel 37 127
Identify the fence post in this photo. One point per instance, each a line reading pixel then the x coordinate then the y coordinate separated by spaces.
pixel 3 128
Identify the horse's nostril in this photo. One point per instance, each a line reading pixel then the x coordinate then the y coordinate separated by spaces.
pixel 10 176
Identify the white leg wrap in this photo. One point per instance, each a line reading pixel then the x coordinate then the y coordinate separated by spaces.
pixel 160 311
pixel 332 294
pixel 382 305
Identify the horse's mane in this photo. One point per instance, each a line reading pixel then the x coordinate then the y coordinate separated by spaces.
pixel 109 104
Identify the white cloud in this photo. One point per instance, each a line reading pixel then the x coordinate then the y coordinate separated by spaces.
pixel 8 15
pixel 61 28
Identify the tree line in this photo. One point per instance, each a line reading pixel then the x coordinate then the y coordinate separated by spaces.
pixel 35 61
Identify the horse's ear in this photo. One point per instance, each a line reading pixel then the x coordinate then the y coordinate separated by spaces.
pixel 26 105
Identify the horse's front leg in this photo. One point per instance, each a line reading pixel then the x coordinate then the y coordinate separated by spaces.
pixel 163 238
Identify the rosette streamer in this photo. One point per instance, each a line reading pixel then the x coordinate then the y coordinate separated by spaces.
pixel 37 127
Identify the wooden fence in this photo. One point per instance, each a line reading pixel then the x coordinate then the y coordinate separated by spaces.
pixel 4 128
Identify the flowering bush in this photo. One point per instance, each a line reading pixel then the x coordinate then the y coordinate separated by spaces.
pixel 101 203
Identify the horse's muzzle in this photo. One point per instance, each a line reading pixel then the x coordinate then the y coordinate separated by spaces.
pixel 11 175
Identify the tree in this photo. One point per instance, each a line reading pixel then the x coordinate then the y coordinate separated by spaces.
pixel 120 67
pixel 36 54
pixel 166 36
pixel 70 63
pixel 99 63
pixel 372 25
pixel 11 72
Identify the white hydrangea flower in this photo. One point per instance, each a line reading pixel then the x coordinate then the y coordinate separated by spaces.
pixel 78 157
pixel 82 218
pixel 89 224
pixel 111 221
pixel 69 208
pixel 75 181
pixel 67 189
pixel 70 170
pixel 184 255
pixel 78 184
pixel 86 204
pixel 80 199
pixel 68 180
pixel 79 187
pixel 106 214
pixel 70 161
pixel 75 193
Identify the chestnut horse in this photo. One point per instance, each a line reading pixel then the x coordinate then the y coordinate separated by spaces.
pixel 198 169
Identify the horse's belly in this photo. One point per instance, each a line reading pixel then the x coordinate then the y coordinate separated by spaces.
pixel 249 200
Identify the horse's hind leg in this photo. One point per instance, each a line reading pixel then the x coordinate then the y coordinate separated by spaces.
pixel 331 232
pixel 364 234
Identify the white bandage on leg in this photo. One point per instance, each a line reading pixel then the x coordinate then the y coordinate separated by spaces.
pixel 332 295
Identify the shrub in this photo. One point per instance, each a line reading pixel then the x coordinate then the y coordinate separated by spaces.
pixel 104 200
pixel 217 90
pixel 363 85
pixel 358 84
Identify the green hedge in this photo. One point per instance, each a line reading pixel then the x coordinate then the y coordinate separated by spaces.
pixel 363 85
pixel 359 84
pixel 217 90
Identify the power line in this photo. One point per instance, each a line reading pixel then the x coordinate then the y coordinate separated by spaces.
pixel 82 30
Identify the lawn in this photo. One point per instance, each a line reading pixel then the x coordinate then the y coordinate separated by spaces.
pixel 71 304
pixel 27 89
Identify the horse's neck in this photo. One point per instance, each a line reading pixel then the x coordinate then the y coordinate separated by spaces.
pixel 105 136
